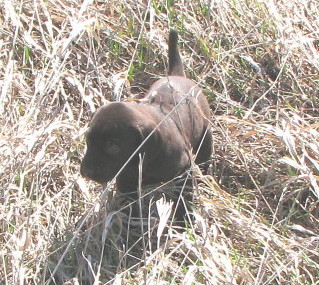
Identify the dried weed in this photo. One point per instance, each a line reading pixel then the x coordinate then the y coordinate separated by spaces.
pixel 255 222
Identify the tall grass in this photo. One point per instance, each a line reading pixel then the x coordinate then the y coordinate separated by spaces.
pixel 255 218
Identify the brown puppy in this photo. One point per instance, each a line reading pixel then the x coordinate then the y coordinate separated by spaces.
pixel 168 126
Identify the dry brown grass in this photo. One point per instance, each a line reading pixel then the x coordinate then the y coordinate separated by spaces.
pixel 256 218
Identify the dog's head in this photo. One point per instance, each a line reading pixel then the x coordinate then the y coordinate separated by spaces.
pixel 114 134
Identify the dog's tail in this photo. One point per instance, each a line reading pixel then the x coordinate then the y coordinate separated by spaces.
pixel 175 65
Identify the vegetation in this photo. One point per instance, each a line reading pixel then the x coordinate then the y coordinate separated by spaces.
pixel 256 218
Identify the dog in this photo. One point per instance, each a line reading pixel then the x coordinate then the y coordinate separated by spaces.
pixel 165 130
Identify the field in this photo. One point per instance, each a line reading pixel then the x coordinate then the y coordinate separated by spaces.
pixel 255 218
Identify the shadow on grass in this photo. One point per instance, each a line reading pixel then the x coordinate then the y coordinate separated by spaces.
pixel 113 241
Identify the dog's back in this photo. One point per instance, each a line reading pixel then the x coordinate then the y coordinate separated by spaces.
pixel 184 100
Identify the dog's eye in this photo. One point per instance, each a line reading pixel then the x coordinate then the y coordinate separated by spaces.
pixel 112 147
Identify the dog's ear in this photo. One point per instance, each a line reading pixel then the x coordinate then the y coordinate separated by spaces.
pixel 152 142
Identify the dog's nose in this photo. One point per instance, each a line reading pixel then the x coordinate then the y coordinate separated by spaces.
pixel 82 171
pixel 86 171
pixel 91 172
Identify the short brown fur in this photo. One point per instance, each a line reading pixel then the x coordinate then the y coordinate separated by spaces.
pixel 174 110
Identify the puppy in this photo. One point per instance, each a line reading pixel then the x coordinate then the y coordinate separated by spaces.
pixel 168 127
